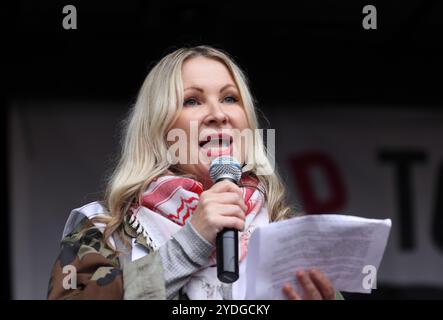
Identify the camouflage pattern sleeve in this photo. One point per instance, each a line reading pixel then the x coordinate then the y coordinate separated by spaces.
pixel 85 268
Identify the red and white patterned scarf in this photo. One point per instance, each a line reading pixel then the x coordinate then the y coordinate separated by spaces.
pixel 170 201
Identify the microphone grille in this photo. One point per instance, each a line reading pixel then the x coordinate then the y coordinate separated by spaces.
pixel 225 167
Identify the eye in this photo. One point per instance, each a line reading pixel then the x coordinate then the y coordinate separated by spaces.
pixel 230 99
pixel 190 102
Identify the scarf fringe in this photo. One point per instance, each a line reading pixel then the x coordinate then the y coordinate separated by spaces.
pixel 137 226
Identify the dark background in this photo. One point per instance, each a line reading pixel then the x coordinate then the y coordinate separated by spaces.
pixel 304 52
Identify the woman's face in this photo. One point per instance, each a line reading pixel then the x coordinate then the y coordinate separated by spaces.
pixel 213 106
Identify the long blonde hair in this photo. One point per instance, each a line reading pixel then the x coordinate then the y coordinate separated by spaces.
pixel 144 150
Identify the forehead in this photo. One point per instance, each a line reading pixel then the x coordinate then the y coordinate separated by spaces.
pixel 205 71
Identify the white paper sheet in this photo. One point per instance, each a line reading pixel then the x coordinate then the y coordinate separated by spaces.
pixel 347 249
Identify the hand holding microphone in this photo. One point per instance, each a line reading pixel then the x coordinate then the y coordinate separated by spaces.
pixel 221 213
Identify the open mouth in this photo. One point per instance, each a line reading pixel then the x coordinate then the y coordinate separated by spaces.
pixel 217 144
pixel 216 141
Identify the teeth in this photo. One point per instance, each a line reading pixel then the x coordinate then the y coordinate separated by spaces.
pixel 216 143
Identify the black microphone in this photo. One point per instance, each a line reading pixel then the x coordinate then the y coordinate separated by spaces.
pixel 226 168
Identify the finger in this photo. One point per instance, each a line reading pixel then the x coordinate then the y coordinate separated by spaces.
pixel 229 198
pixel 230 223
pixel 310 291
pixel 323 284
pixel 231 210
pixel 227 210
pixel 226 186
pixel 290 292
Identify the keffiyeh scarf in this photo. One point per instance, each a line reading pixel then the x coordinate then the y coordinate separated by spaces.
pixel 169 203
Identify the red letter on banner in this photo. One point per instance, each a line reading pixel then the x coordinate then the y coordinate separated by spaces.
pixel 301 165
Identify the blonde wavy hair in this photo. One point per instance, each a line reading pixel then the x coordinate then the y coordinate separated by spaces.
pixel 144 150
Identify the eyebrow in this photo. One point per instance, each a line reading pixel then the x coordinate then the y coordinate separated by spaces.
pixel 201 90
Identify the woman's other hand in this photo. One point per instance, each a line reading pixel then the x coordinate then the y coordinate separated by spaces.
pixel 315 286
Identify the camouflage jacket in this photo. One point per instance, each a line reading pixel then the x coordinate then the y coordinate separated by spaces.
pixel 87 268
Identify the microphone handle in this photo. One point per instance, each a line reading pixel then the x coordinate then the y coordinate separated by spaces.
pixel 227 252
pixel 227 255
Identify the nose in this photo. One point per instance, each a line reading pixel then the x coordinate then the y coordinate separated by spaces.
pixel 216 116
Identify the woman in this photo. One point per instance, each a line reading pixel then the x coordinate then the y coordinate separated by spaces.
pixel 153 236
